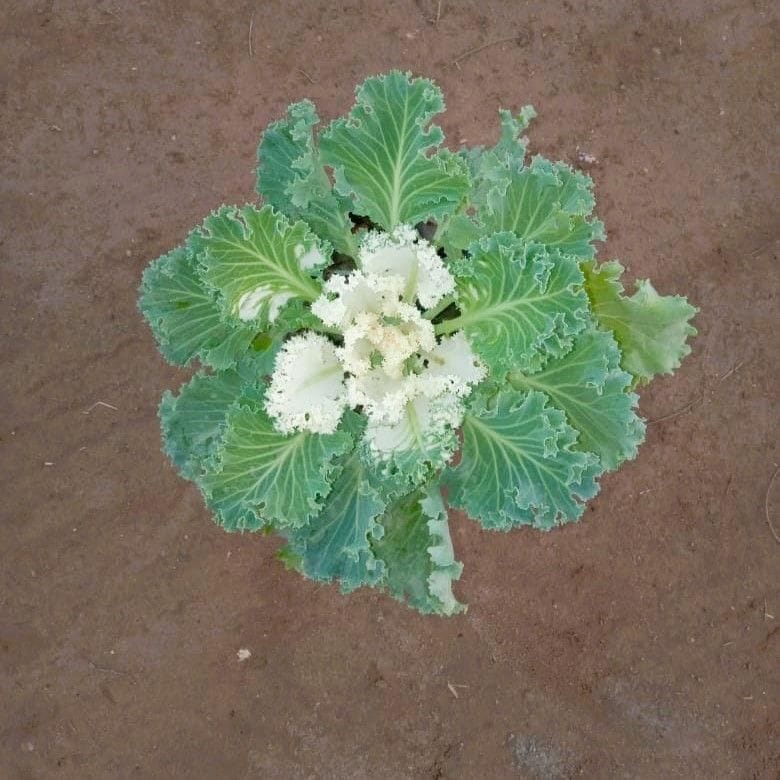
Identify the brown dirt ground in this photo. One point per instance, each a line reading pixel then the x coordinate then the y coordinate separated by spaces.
pixel 642 642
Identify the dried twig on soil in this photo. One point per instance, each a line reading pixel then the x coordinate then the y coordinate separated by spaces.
pixel 766 506
pixel 736 367
pixel 700 398
pixel 304 73
pixel 251 25
pixel 680 411
pixel 456 62
pixel 106 669
pixel 434 20
pixel 760 250
pixel 100 403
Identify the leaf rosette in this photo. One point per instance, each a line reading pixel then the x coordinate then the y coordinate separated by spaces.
pixel 390 304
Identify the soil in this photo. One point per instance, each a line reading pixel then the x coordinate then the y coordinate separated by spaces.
pixel 642 642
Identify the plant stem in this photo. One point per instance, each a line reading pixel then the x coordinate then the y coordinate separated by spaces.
pixel 448 326
pixel 411 286
pixel 319 327
pixel 314 324
pixel 439 308
pixel 353 245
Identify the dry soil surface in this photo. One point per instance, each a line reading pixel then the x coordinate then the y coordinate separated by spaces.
pixel 643 642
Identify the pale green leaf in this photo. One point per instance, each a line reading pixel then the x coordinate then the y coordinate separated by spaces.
pixel 290 177
pixel 185 316
pixel 520 303
pixel 545 202
pixel 589 385
pixel 417 553
pixel 518 465
pixel 259 476
pixel 337 543
pixel 383 154
pixel 651 329
pixel 259 261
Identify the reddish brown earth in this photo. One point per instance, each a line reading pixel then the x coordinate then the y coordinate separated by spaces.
pixel 641 643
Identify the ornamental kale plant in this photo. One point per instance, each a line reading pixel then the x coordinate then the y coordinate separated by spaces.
pixel 390 304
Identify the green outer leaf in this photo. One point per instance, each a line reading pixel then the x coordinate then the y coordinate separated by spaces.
pixel 416 549
pixel 651 329
pixel 520 303
pixel 290 177
pixel 337 543
pixel 489 166
pixel 379 153
pixel 511 146
pixel 259 476
pixel 518 466
pixel 545 202
pixel 282 144
pixel 325 212
pixel 193 421
pixel 246 249
pixel 185 316
pixel 588 384
pixel 456 233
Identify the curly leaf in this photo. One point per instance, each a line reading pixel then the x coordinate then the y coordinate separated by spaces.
pixel 405 453
pixel 518 465
pixel 545 202
pixel 282 144
pixel 416 549
pixel 192 421
pixel 259 476
pixel 185 316
pixel 489 166
pixel 511 146
pixel 258 261
pixel 337 544
pixel 589 385
pixel 519 303
pixel 381 157
pixel 651 329
pixel 291 178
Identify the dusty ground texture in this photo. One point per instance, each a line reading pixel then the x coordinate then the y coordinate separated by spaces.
pixel 642 642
